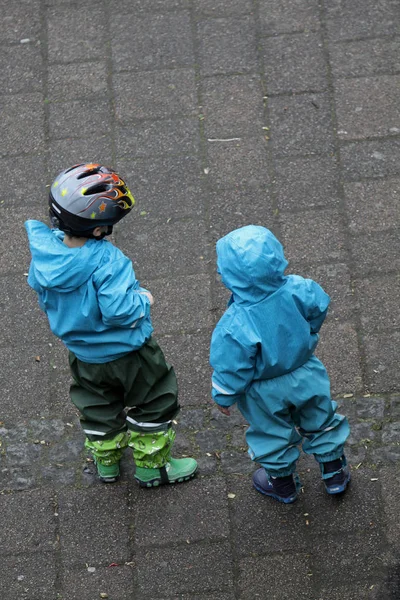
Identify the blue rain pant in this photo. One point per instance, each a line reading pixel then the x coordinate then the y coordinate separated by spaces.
pixel 284 411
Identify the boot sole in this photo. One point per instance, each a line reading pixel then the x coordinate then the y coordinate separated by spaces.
pixel 157 481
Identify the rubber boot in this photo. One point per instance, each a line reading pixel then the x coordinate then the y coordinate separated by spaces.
pixel 107 454
pixel 154 464
pixel 335 475
pixel 283 489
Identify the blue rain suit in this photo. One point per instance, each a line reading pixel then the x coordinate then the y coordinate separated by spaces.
pixel 90 295
pixel 262 353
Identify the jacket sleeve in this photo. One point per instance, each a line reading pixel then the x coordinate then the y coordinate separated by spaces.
pixel 316 303
pixel 233 363
pixel 118 292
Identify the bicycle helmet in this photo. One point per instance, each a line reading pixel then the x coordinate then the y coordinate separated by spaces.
pixel 87 196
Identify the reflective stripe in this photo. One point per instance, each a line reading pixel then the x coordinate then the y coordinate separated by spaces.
pixel 94 432
pixel 146 424
pixel 222 390
pixel 134 325
pixel 329 428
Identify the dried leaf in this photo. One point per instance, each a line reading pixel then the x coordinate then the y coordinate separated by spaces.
pixel 230 495
pixel 348 395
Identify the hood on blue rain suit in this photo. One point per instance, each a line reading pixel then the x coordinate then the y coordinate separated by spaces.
pixel 271 325
pixel 90 295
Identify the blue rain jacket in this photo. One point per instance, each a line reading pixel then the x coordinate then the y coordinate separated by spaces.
pixel 271 325
pixel 90 295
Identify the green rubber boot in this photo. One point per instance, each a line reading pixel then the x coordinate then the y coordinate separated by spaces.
pixel 107 454
pixel 177 470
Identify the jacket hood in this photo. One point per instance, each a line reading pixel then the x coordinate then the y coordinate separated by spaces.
pixel 55 265
pixel 251 262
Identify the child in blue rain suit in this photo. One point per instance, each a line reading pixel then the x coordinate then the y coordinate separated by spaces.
pixel 262 353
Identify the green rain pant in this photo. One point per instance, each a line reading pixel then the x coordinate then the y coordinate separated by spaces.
pixel 128 401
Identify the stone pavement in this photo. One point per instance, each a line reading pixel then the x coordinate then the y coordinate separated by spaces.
pixel 219 113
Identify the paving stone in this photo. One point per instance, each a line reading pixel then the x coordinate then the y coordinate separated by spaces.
pixel 223 7
pixel 232 208
pixel 379 301
pixel 335 280
pixel 375 252
pixel 116 582
pixel 19 532
pixel 187 569
pixel 79 118
pixel 22 455
pixel 22 123
pixel 390 481
pixel 84 38
pixel 354 559
pixel 238 163
pixel 361 18
pixel 381 361
pixel 189 354
pixel 17 479
pixel 133 6
pixel 363 433
pixel 14 249
pixel 364 58
pixel 210 596
pixel 237 463
pixel 382 456
pixel 58 477
pixel 164 188
pixel 13 432
pixel 285 17
pixel 159 138
pixel 395 406
pixel 233 106
pixel 338 350
pixel 25 577
pixel 207 465
pixel 294 63
pixel 391 433
pixel 372 205
pixel 300 124
pixel 252 570
pixel 370 159
pixel 185 253
pixel 67 451
pixel 187 513
pixel 211 441
pixel 362 407
pixel 169 316
pixel 304 183
pixel 21 319
pixel 26 177
pixel 367 107
pixel 85 525
pixel 155 95
pixel 155 41
pixel 30 396
pixel 20 69
pixel 67 152
pixel 357 512
pixel 313 236
pixel 20 21
pixel 78 80
pixel 227 45
pixel 367 591
pixel 192 419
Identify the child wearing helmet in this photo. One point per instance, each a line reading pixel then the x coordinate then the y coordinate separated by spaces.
pixel 125 391
pixel 262 353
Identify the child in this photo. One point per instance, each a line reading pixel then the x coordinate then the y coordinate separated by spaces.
pixel 125 391
pixel 262 353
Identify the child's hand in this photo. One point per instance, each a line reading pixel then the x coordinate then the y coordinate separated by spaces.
pixel 150 297
pixel 224 410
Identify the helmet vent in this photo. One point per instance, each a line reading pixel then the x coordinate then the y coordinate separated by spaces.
pixel 72 168
pixel 89 172
pixel 98 188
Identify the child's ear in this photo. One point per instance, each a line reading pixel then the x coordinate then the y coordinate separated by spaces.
pixel 97 231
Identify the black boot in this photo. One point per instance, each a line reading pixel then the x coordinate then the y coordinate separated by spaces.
pixel 335 475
